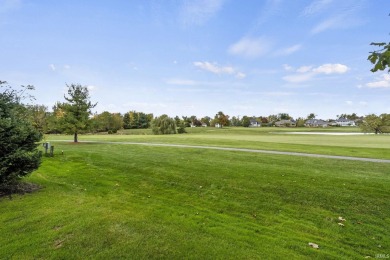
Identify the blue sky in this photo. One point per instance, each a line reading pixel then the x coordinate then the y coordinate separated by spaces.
pixel 182 57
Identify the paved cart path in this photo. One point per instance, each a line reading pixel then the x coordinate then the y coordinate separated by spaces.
pixel 338 157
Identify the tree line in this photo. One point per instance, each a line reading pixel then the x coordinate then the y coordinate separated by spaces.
pixel 74 116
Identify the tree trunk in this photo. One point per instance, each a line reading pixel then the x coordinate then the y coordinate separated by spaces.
pixel 75 137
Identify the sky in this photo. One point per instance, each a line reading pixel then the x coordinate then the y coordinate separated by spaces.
pixel 198 57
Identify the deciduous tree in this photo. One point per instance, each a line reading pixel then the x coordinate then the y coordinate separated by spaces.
pixel 377 124
pixel 381 57
pixel 246 121
pixel 163 125
pixel 221 119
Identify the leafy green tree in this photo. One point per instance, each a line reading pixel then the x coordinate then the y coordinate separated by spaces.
pixel 246 121
pixel 380 58
pixel 236 121
pixel 163 125
pixel 38 115
pixel 53 119
pixel 352 116
pixel 186 121
pixel 221 119
pixel 284 116
pixel 76 110
pixel 177 120
pixel 272 119
pixel 181 128
pixel 311 116
pixel 126 121
pixel 107 121
pixel 195 121
pixel 137 120
pixel 206 120
pixel 300 122
pixel 19 155
pixel 377 124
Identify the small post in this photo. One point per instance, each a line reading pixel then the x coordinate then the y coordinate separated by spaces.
pixel 52 150
pixel 45 145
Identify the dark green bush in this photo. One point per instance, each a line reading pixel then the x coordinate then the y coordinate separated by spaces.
pixel 19 155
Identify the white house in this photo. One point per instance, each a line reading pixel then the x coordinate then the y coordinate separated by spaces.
pixel 342 121
pixel 253 123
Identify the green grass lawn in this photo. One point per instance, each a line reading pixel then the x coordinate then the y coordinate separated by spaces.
pixel 266 138
pixel 102 201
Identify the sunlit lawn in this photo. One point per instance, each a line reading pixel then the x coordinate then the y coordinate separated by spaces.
pixel 127 201
pixel 267 138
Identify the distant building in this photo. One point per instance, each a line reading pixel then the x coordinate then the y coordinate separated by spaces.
pixel 286 123
pixel 316 123
pixel 253 123
pixel 342 121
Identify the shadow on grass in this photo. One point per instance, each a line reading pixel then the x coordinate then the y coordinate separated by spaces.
pixel 19 189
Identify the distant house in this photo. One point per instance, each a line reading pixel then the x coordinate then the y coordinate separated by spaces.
pixel 316 123
pixel 218 125
pixel 286 123
pixel 253 123
pixel 342 121
pixel 192 125
pixel 204 125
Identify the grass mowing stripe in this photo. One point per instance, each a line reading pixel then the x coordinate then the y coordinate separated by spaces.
pixel 241 150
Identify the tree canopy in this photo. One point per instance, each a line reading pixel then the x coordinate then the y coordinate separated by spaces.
pixel 380 58
pixel 19 155
pixel 377 124
pixel 163 125
pixel 74 113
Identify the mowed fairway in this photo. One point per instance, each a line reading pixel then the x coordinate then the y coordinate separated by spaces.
pixel 104 201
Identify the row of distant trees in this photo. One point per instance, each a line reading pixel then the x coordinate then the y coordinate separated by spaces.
pixel 56 121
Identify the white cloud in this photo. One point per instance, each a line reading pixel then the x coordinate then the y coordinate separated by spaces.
pixel 250 47
pixel 216 69
pixel 287 67
pixel 349 102
pixel 345 15
pixel 240 75
pixel 315 7
pixel 304 69
pixel 382 82
pixel 198 12
pixel 331 69
pixel 52 67
pixel 288 50
pixel 66 67
pixel 330 23
pixel 298 78
pixel 306 73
